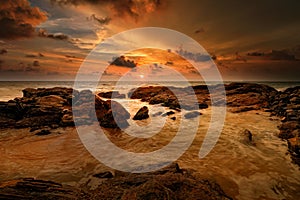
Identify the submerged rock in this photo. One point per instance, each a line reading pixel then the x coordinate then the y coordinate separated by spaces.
pixel 247 137
pixel 191 115
pixel 143 113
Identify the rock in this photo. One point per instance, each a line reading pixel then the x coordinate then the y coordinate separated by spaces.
pixel 107 174
pixel 52 100
pixel 111 114
pixel 143 113
pixel 168 183
pixel 67 120
pixel 43 132
pixel 168 113
pixel 109 95
pixel 30 188
pixel 193 114
pixel 287 129
pixel 294 145
pixel 246 137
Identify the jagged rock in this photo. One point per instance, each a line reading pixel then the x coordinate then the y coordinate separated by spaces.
pixel 169 183
pixel 109 95
pixel 143 113
pixel 30 188
pixel 287 129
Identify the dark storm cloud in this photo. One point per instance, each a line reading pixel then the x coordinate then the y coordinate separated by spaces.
pixel 18 19
pixel 58 36
pixel 102 21
pixel 133 8
pixel 3 51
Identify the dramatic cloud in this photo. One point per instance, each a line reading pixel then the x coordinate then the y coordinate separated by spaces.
pixel 18 19
pixel 3 51
pixel 102 21
pixel 58 36
pixel 132 8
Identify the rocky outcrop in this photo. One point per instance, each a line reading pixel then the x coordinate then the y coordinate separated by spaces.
pixel 286 105
pixel 109 95
pixel 143 113
pixel 165 96
pixel 30 188
pixel 168 183
pixel 52 107
pixel 244 97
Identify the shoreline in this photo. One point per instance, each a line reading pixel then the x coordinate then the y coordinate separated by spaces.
pixel 242 98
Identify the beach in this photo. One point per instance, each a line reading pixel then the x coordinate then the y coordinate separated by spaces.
pixel 254 157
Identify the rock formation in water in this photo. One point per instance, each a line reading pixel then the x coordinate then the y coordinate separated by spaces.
pixel 52 107
pixel 169 183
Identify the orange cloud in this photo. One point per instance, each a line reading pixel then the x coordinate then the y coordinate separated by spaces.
pixel 18 19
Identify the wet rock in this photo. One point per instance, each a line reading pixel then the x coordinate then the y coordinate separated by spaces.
pixel 111 114
pixel 143 113
pixel 246 137
pixel 107 174
pixel 43 132
pixel 168 113
pixel 169 183
pixel 191 115
pixel 287 129
pixel 30 188
pixel 109 95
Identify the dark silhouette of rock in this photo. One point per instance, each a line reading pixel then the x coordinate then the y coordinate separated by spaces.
pixel 52 107
pixel 43 132
pixel 109 95
pixel 30 188
pixel 143 113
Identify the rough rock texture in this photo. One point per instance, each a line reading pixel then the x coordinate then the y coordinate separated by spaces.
pixel 286 104
pixel 29 188
pixel 143 113
pixel 165 96
pixel 109 95
pixel 241 97
pixel 52 107
pixel 168 183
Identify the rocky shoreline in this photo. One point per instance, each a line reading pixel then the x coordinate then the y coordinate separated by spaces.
pixel 45 109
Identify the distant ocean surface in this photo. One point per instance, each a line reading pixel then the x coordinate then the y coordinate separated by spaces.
pixel 11 89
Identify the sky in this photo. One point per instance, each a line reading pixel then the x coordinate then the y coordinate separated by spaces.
pixel 247 40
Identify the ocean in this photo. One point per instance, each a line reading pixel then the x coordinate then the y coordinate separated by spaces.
pixel 11 89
